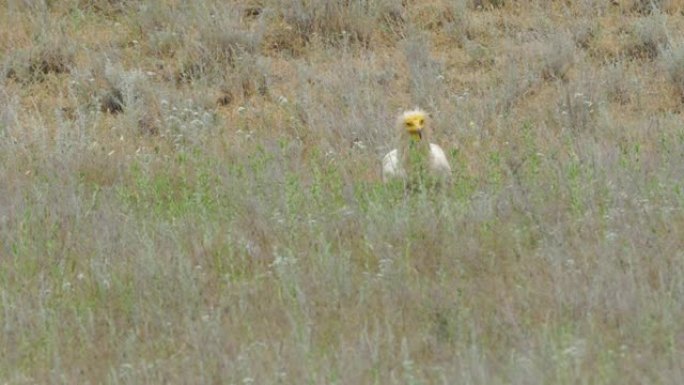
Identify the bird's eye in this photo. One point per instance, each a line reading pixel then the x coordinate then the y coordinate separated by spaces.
pixel 410 124
pixel 421 121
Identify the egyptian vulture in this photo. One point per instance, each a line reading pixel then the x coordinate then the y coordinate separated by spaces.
pixel 415 157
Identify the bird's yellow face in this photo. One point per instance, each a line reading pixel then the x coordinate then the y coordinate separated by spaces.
pixel 414 122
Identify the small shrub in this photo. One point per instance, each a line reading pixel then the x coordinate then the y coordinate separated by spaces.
pixel 557 56
pixel 518 80
pixel 162 31
pixel 226 97
pixel 250 76
pixel 9 106
pixel 426 79
pixel 142 105
pixel 92 90
pixel 480 55
pixel 458 25
pixel 36 63
pixel 643 6
pixel 648 35
pixel 51 50
pixel 101 87
pixel 131 93
pixel 283 37
pixel 338 21
pixel 487 4
pixel 106 7
pixel 673 62
pixel 185 123
pixel 651 6
pixel 50 59
pixel 213 54
pixel 616 84
pixel 111 101
pixel 164 43
pixel 221 40
pixel 584 32
pixel 576 110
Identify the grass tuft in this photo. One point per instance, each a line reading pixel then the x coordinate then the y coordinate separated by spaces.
pixel 673 62
pixel 648 35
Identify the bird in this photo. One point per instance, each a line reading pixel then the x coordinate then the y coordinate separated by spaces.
pixel 415 158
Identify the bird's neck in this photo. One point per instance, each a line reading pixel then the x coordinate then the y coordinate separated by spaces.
pixel 414 145
pixel 415 155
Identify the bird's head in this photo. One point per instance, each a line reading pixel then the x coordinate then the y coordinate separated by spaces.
pixel 413 122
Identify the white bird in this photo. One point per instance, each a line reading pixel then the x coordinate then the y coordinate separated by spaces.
pixel 415 156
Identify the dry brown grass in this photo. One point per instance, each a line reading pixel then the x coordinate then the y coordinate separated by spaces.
pixel 191 193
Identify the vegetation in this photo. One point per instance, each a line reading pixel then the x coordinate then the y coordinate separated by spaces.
pixel 191 192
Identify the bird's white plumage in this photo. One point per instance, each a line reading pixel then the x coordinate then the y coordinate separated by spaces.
pixel 393 166
pixel 438 160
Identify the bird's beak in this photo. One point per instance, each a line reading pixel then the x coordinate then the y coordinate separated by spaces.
pixel 417 135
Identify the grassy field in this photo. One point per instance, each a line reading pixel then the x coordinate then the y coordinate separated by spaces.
pixel 190 192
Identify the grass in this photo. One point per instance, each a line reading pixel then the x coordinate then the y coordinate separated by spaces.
pixel 192 193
